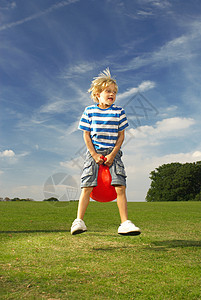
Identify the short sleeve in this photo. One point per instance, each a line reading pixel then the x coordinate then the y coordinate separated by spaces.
pixel 85 121
pixel 123 122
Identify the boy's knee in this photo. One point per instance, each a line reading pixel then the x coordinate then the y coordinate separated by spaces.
pixel 87 190
pixel 120 189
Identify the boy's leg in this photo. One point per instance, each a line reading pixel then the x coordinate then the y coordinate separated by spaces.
pixel 122 202
pixel 83 201
pixel 78 225
pixel 126 227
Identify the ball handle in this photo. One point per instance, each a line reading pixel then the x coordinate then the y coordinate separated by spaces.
pixel 103 157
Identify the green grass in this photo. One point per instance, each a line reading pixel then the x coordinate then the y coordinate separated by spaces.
pixel 41 260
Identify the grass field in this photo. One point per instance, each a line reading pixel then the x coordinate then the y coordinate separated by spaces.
pixel 41 260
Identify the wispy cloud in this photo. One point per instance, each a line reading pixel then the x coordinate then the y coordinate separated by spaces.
pixel 38 15
pixel 162 4
pixel 144 86
pixel 5 5
pixel 56 106
pixel 78 69
pixel 148 9
pixel 144 13
pixel 182 48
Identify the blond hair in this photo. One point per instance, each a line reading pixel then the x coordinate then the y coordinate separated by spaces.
pixel 101 82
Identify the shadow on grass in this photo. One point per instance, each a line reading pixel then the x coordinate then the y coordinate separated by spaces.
pixel 108 248
pixel 165 245
pixel 33 231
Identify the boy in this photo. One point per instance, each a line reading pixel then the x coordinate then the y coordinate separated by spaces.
pixel 103 126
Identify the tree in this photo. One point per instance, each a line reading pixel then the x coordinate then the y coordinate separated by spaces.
pixel 198 197
pixel 51 199
pixel 175 182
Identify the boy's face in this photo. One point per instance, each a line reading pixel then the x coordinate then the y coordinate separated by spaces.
pixel 108 96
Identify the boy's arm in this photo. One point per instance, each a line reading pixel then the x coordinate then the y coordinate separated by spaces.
pixel 110 157
pixel 90 147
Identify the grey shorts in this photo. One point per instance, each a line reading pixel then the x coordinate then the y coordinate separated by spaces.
pixel 90 170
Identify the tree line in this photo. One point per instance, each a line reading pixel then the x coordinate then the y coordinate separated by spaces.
pixel 175 182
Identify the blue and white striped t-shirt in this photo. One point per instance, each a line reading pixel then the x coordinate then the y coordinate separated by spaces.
pixel 103 124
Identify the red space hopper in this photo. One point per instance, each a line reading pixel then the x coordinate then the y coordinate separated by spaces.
pixel 104 191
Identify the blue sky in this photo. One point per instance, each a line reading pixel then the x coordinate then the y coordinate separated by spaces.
pixel 49 53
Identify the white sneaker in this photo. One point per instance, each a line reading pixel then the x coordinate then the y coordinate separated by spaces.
pixel 128 228
pixel 78 226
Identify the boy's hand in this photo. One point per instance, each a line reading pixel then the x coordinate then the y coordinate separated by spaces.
pixel 110 159
pixel 98 159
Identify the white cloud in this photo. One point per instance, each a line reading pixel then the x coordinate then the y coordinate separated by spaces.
pixel 7 153
pixel 162 129
pixel 144 13
pixel 171 108
pixel 166 112
pixel 161 4
pixel 78 69
pixel 197 155
pixel 149 8
pixel 144 86
pixel 174 124
pixel 10 157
